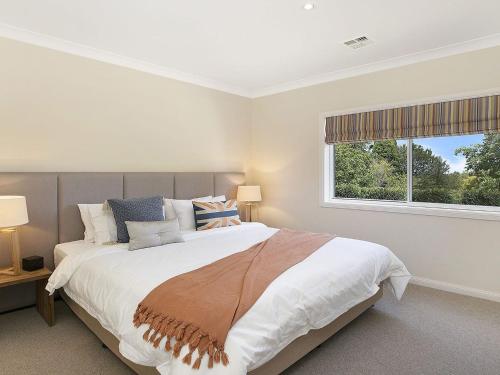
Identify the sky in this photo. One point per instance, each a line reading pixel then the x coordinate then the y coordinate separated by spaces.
pixel 445 147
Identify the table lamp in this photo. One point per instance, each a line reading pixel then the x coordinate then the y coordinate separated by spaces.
pixel 13 213
pixel 250 195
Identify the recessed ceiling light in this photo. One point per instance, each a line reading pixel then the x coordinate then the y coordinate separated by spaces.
pixel 308 6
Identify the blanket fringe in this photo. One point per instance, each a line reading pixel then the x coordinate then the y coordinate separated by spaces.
pixel 197 363
pixel 162 326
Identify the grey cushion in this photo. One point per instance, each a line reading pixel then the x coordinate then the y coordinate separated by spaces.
pixel 135 209
pixel 153 233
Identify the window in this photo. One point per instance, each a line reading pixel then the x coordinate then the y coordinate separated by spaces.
pixel 458 170
pixel 455 170
pixel 371 170
pixel 434 158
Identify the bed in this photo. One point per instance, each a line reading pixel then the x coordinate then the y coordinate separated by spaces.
pixel 104 284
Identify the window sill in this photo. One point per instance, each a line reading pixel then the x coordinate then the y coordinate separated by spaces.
pixel 429 209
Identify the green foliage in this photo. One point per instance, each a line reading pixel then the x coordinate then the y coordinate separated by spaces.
pixel 482 187
pixel 429 170
pixel 481 198
pixel 392 153
pixel 353 164
pixel 482 190
pixel 374 192
pixel 432 195
pixel 378 171
pixel 371 171
pixel 483 159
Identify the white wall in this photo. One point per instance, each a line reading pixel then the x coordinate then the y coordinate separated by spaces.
pixel 285 153
pixel 60 112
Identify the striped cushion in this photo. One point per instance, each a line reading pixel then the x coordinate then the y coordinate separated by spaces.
pixel 210 215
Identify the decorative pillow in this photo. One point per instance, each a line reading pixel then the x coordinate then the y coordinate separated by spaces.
pixel 219 198
pixel 210 215
pixel 153 233
pixel 103 224
pixel 184 212
pixel 135 209
pixel 89 235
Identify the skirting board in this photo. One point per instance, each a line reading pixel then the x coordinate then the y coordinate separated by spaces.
pixel 454 288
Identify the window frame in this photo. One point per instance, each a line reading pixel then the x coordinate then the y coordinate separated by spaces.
pixel 327 182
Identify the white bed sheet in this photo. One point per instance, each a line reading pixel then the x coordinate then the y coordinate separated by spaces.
pixel 109 282
pixel 78 247
pixel 62 250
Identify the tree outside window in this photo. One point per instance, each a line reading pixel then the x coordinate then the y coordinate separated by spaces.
pixel 461 170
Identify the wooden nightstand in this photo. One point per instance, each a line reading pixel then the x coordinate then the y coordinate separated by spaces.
pixel 44 302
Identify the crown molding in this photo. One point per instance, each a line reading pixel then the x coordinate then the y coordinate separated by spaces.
pixel 47 41
pixel 449 50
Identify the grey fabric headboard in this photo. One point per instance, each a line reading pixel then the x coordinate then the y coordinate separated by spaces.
pixel 52 200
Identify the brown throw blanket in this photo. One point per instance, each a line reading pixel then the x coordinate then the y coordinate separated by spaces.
pixel 199 307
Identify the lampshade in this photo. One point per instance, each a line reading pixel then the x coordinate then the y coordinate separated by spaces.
pixel 13 211
pixel 249 194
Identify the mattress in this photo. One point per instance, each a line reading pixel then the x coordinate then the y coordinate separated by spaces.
pixel 109 282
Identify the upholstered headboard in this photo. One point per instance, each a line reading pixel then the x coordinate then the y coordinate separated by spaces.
pixel 52 200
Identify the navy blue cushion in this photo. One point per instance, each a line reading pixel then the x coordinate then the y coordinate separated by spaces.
pixel 210 215
pixel 135 209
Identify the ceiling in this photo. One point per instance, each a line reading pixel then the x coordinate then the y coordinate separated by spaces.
pixel 254 47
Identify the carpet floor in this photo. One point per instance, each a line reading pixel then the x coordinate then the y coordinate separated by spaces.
pixel 429 332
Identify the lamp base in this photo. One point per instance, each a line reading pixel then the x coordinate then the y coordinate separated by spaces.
pixel 9 272
pixel 248 212
pixel 16 253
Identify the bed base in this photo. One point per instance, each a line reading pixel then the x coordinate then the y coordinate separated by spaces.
pixel 284 359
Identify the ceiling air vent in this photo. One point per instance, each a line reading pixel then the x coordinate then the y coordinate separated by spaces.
pixel 356 43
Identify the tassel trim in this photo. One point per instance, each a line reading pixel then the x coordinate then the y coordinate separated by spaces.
pixel 162 326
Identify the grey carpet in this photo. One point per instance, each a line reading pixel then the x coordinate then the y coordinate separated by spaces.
pixel 429 332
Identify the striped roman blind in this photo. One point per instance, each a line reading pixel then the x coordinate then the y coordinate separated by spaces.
pixel 465 116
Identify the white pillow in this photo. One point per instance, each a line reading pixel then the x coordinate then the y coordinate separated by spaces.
pixel 89 235
pixel 219 198
pixel 184 211
pixel 168 209
pixel 104 224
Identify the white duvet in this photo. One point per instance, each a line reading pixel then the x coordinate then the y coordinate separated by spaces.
pixel 110 281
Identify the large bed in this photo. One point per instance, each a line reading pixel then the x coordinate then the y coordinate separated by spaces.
pixel 104 284
pixel 300 309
